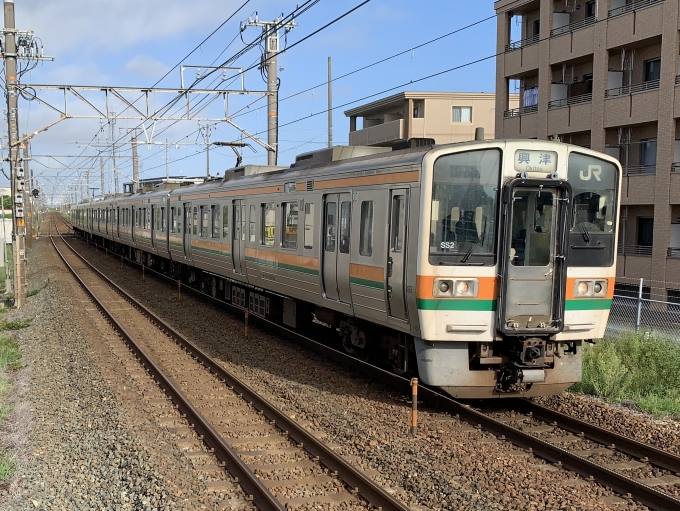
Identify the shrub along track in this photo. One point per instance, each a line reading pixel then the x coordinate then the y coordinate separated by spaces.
pixel 275 459
pixel 529 440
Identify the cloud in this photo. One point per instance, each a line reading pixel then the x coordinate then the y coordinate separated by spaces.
pixel 146 66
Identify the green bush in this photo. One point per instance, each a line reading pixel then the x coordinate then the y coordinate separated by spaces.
pixel 638 368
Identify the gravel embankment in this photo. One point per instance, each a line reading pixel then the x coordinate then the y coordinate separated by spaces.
pixel 448 466
pixel 94 442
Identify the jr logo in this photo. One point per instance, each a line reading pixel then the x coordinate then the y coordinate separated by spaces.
pixel 593 170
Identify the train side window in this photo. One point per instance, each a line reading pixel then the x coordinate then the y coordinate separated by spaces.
pixel 309 225
pixel 179 220
pixel 251 225
pixel 345 222
pixel 398 213
pixel 163 220
pixel 290 225
pixel 268 224
pixel 225 222
pixel 331 212
pixel 215 212
pixel 366 229
pixel 195 220
pixel 204 221
pixel 173 220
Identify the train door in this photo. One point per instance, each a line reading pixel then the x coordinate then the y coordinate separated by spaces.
pixel 186 237
pixel 133 222
pixel 336 245
pixel 533 260
pixel 396 254
pixel 239 235
pixel 154 219
pixel 118 222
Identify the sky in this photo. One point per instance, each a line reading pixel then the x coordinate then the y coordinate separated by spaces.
pixel 134 44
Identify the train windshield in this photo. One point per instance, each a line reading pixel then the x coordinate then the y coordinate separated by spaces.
pixel 464 205
pixel 592 229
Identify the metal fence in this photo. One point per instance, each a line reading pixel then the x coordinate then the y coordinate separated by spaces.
pixel 635 309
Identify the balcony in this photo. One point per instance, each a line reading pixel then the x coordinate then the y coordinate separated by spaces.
pixel 376 135
pixel 635 250
pixel 632 89
pixel 673 252
pixel 572 27
pixel 522 43
pixel 517 112
pixel 574 100
pixel 636 170
pixel 633 6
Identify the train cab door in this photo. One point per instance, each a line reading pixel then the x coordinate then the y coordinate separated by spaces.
pixel 186 236
pixel 533 260
pixel 238 230
pixel 396 254
pixel 337 219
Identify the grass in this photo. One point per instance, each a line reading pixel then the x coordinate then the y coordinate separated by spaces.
pixel 36 291
pixel 13 325
pixel 638 369
pixel 10 357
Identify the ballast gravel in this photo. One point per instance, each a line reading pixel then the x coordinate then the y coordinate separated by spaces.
pixel 448 465
pixel 92 443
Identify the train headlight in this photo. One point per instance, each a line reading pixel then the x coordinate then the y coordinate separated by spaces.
pixel 462 288
pixel 600 288
pixel 444 286
pixel 597 288
pixel 582 288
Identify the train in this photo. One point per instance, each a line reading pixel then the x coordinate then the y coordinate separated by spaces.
pixel 482 267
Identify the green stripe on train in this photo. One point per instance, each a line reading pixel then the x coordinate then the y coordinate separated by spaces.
pixel 588 304
pixel 366 283
pixel 456 305
pixel 211 251
pixel 282 266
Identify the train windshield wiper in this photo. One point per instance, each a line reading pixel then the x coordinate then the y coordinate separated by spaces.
pixel 585 233
pixel 479 241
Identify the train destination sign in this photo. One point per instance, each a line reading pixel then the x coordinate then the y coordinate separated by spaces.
pixel 535 161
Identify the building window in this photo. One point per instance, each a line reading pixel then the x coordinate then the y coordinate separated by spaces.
pixel 648 152
pixel 366 229
pixel 590 9
pixel 309 225
pixel 652 70
pixel 418 109
pixel 268 224
pixel 645 233
pixel 462 114
pixel 290 224
pixel 225 222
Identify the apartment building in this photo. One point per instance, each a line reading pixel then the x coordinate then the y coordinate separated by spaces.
pixel 444 116
pixel 604 74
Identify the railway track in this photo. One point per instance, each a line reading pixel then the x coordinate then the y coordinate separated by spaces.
pixel 276 461
pixel 567 443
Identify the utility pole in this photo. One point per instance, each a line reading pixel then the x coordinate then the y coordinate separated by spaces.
pixel 135 166
pixel 87 184
pixel 167 161
pixel 207 150
pixel 270 30
pixel 101 170
pixel 112 124
pixel 27 196
pixel 330 104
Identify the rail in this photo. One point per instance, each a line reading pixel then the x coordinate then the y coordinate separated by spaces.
pixel 635 170
pixel 635 88
pixel 573 100
pixel 573 27
pixel 637 250
pixel 516 112
pixel 516 45
pixel 633 6
pixel 354 478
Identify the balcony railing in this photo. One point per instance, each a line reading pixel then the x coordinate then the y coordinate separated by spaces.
pixel 675 167
pixel 673 252
pixel 516 112
pixel 632 89
pixel 522 43
pixel 633 6
pixel 573 100
pixel 638 250
pixel 572 27
pixel 636 170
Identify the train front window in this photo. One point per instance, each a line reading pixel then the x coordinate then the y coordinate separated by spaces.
pixel 464 208
pixel 593 214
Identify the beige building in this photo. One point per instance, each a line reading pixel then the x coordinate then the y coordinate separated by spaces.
pixel 604 74
pixel 444 116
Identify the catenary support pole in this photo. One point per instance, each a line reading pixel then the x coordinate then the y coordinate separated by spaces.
pixel 135 166
pixel 330 104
